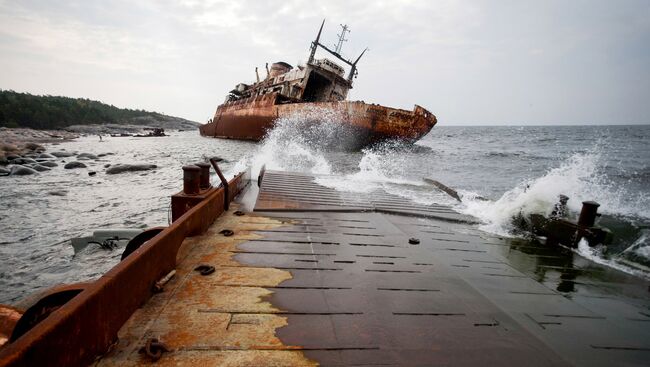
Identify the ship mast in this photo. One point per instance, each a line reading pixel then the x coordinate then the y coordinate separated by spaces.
pixel 342 38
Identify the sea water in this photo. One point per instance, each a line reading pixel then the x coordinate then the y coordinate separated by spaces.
pixel 519 169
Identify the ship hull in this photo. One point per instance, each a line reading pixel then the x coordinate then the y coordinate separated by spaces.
pixel 252 118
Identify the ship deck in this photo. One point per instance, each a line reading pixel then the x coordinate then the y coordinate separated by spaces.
pixel 313 276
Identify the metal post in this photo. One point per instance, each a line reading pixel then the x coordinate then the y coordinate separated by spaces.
pixel 191 179
pixel 205 175
pixel 588 214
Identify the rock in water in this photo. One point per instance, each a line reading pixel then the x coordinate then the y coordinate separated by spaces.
pixel 48 164
pixel 4 172
pixel 86 156
pixel 62 154
pixel 74 164
pixel 39 167
pixel 23 161
pixel 46 156
pixel 22 171
pixel 120 168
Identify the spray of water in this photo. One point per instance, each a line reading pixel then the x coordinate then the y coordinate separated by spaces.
pixel 297 143
pixel 384 167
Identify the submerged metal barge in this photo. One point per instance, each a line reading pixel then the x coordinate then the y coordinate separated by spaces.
pixel 251 110
pixel 307 275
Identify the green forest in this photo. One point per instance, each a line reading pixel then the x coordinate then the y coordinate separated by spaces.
pixel 53 112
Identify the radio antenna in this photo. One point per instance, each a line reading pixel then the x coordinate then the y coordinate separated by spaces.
pixel 339 45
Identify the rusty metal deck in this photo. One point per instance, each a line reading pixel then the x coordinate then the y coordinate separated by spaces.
pixel 306 280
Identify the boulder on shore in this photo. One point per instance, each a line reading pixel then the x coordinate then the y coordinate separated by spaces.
pixel 46 156
pixel 75 164
pixel 19 170
pixel 4 172
pixel 120 168
pixel 48 164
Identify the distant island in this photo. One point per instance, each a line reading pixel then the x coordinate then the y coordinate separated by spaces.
pixel 24 110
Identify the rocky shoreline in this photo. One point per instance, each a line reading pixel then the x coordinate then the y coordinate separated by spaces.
pixel 21 153
pixel 22 141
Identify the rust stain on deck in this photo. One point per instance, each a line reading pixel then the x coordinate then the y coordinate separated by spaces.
pixel 220 319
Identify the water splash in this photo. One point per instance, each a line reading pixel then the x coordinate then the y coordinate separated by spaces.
pixel 385 167
pixel 298 142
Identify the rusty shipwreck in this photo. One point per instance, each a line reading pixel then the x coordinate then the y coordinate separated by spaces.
pixel 251 109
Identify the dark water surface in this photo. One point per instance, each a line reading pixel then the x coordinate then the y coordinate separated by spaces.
pixel 521 169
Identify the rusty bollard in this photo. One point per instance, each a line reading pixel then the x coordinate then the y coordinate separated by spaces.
pixel 205 175
pixel 588 214
pixel 191 179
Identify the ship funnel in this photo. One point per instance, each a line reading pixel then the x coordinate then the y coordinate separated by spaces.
pixel 279 68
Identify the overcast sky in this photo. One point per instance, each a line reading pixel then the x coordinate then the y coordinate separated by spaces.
pixel 468 62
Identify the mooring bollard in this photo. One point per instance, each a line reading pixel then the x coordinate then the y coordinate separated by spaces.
pixel 205 175
pixel 191 179
pixel 588 214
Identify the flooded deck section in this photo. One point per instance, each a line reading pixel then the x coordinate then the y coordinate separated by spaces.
pixel 312 277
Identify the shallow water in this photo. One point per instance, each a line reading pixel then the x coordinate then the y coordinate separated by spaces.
pixel 521 169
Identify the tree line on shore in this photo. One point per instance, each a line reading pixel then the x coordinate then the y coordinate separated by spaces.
pixel 55 112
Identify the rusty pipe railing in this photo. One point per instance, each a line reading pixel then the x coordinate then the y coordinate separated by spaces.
pixel 224 182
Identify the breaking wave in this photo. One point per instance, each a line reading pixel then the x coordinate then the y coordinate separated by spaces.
pixel 579 177
pixel 387 167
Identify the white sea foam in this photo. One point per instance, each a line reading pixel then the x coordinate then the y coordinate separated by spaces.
pixel 296 143
pixel 382 168
pixel 595 254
